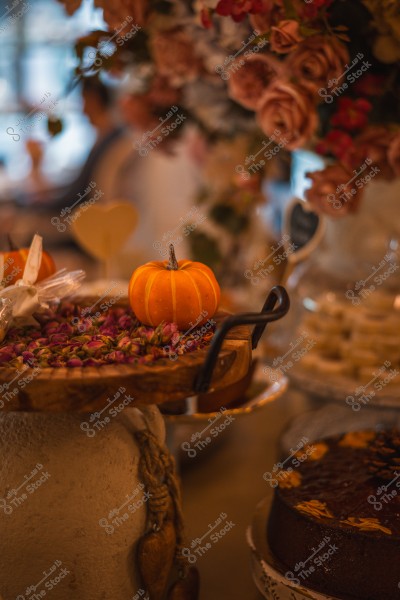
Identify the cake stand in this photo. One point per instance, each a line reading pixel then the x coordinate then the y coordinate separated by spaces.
pixel 89 497
pixel 86 389
pixel 189 431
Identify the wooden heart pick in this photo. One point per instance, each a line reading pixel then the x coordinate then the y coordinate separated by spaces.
pixel 303 229
pixel 188 588
pixel 102 230
pixel 303 232
pixel 156 554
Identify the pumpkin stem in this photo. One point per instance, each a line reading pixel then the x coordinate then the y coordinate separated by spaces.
pixel 173 263
pixel 11 246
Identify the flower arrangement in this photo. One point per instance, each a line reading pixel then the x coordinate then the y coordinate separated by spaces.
pixel 329 79
pixel 291 73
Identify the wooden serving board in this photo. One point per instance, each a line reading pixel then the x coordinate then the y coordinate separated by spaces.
pixel 91 389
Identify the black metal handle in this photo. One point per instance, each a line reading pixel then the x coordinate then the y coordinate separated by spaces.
pixel 275 307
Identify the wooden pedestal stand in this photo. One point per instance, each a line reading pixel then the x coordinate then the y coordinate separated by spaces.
pixel 88 390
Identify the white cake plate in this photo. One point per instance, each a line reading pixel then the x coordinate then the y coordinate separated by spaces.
pixel 262 391
pixel 344 390
pixel 331 419
pixel 181 427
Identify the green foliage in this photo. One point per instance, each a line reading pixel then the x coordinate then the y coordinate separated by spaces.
pixel 205 249
pixel 226 216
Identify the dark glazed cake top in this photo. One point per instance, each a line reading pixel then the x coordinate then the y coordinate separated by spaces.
pixel 351 481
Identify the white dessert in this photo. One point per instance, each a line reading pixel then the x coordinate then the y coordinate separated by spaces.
pixel 354 340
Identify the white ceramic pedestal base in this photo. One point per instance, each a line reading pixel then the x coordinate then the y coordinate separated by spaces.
pixel 56 527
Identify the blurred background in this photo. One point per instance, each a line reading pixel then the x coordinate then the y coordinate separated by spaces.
pixel 36 63
pixel 47 133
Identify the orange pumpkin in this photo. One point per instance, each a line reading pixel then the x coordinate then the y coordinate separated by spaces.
pixel 183 292
pixel 14 263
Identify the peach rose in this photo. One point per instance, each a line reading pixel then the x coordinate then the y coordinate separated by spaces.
pixel 271 14
pixel 394 154
pixel 250 76
pixel 141 110
pixel 372 144
pixel 71 6
pixel 287 109
pixel 331 193
pixel 174 56
pixel 318 60
pixel 161 94
pixel 137 112
pixel 252 184
pixel 387 49
pixel 285 37
pixel 131 12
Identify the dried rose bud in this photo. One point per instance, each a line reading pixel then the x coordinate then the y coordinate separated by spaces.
pixel 19 348
pixel 66 328
pixel 92 362
pixel 74 362
pixel 136 348
pixel 83 339
pixel 93 347
pixel 116 337
pixel 125 343
pixel 55 362
pixel 6 354
pixel 146 333
pixel 115 356
pixel 35 335
pixel 175 338
pixel 32 345
pixel 167 331
pixel 43 352
pixel 109 330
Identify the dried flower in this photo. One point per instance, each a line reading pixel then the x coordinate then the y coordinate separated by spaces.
pixel 115 337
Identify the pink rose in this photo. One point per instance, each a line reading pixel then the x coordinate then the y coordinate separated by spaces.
pixel 285 37
pixel 286 113
pixel 331 193
pixel 174 55
pixel 250 76
pixel 394 154
pixel 373 145
pixel 318 60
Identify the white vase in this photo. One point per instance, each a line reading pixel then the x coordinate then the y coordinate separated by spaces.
pixel 64 523
pixel 362 239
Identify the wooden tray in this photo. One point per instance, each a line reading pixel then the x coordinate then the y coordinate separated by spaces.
pixel 91 389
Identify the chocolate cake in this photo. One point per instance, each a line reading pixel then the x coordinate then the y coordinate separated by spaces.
pixel 334 525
